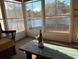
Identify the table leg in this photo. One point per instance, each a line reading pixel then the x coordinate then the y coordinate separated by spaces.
pixel 37 56
pixel 29 55
pixel 40 57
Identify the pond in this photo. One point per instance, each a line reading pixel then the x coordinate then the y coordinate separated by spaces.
pixel 35 23
pixel 49 21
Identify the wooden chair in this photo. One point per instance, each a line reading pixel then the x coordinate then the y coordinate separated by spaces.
pixel 7 43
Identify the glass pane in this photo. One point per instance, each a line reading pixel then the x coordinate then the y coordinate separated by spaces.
pixel 34 26
pixel 13 10
pixel 36 11
pixel 58 24
pixel 10 10
pixel 20 25
pixel 2 24
pixel 63 7
pixel 18 10
pixel 33 11
pixel 16 24
pixel 57 14
pixel 29 9
pixel 35 23
pixel 57 7
pixel 50 8
pixel 0 13
pixel 31 1
pixel 15 16
pixel 12 24
pixel 1 19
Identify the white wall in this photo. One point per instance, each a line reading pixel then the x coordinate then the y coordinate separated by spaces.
pixel 20 35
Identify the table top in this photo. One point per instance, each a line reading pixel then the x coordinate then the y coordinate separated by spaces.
pixel 50 51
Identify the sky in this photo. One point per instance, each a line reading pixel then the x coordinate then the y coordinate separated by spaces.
pixel 37 5
pixel 66 1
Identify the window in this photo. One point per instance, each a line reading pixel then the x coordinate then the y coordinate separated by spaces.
pixel 33 11
pixel 57 13
pixel 14 16
pixel 0 13
pixel 1 19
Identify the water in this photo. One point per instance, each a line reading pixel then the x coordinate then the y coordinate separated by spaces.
pixel 64 21
pixel 35 23
pixel 39 23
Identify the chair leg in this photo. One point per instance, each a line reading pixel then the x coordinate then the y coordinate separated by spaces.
pixel 14 50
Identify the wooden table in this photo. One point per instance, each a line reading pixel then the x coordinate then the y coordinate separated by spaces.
pixel 49 51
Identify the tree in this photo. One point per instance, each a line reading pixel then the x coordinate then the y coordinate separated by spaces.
pixel 56 7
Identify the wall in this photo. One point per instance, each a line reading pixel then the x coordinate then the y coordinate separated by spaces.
pixel 20 35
